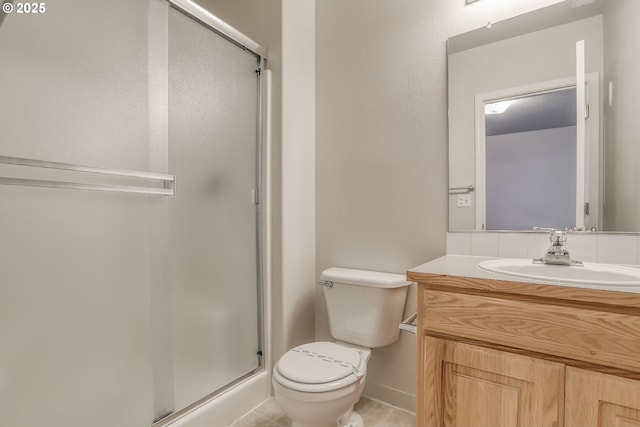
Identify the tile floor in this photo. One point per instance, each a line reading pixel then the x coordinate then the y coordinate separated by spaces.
pixel 374 414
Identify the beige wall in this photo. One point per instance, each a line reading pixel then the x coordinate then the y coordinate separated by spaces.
pixel 298 174
pixel 381 147
pixel 381 156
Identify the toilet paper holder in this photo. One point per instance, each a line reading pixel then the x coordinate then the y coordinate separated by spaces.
pixel 409 325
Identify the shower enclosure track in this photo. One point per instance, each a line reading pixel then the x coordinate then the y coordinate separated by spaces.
pixel 168 181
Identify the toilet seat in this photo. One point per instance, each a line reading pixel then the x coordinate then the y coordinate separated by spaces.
pixel 321 366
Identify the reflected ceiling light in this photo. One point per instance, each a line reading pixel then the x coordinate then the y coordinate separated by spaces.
pixel 497 107
pixel 574 4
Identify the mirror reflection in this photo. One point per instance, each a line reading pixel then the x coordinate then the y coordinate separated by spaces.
pixel 523 136
pixel 521 152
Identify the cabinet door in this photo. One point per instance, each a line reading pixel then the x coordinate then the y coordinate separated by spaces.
pixel 468 386
pixel 599 400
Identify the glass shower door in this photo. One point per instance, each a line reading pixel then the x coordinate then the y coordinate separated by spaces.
pixel 75 329
pixel 213 101
pixel 118 309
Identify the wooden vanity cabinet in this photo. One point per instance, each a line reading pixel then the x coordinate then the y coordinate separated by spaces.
pixel 594 399
pixel 505 354
pixel 472 386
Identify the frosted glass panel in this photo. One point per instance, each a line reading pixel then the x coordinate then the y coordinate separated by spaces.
pixel 74 312
pixel 118 309
pixel 74 83
pixel 212 149
pixel 75 325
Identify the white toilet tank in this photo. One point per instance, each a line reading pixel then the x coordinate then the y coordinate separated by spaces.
pixel 364 307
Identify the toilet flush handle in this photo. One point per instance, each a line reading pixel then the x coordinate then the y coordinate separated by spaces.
pixel 326 283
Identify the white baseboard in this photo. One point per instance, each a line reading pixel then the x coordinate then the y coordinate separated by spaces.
pixel 391 396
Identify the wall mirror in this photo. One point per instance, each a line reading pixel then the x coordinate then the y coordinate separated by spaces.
pixel 542 120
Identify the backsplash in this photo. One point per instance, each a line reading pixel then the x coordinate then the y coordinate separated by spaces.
pixel 613 248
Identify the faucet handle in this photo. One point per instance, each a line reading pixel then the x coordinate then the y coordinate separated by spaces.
pixel 556 237
pixel 551 229
pixel 557 254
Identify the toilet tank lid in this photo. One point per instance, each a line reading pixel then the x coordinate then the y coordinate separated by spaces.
pixel 364 277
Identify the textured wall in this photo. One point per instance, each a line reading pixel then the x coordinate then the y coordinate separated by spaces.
pixel 381 155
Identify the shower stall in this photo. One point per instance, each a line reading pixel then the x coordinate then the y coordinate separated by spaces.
pixel 131 214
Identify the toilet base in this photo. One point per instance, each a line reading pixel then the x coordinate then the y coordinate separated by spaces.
pixel 351 419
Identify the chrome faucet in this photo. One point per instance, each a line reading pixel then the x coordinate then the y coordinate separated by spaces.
pixel 557 253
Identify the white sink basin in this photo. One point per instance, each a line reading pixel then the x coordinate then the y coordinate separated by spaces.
pixel 589 274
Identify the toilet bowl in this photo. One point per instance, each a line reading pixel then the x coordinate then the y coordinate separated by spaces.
pixel 317 384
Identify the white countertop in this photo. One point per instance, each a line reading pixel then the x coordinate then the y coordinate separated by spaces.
pixel 467 266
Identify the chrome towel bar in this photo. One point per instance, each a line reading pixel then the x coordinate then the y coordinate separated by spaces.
pixel 462 190
pixel 168 188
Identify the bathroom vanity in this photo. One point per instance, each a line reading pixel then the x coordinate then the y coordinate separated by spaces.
pixel 502 351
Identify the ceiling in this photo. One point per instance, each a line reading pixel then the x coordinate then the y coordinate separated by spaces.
pixel 535 112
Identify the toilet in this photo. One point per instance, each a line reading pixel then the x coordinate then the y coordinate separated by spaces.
pixel 318 383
